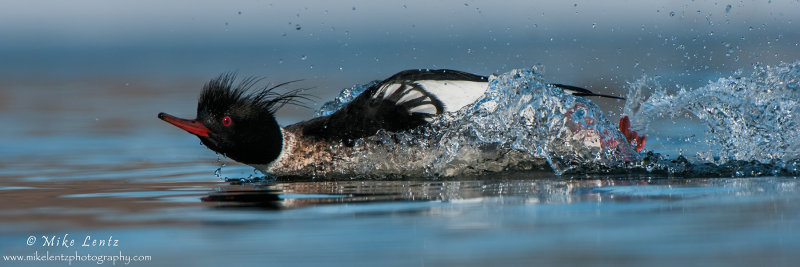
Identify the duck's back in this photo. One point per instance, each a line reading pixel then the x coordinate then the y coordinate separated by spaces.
pixel 404 101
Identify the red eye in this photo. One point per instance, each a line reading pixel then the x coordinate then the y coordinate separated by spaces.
pixel 226 121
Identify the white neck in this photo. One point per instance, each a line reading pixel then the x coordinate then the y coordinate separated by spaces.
pixel 286 150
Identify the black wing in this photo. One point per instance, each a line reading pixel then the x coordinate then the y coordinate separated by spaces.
pixel 395 104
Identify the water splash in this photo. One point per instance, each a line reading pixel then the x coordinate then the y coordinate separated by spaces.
pixel 749 120
pixel 523 113
pixel 347 95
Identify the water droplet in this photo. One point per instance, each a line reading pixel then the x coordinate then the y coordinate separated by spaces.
pixel 303 57
pixel 672 13
pixel 728 9
pixel 240 12
pixel 354 8
pixel 218 171
pixel 298 27
pixel 594 25
pixel 341 68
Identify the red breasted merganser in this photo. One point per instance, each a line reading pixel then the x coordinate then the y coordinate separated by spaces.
pixel 241 125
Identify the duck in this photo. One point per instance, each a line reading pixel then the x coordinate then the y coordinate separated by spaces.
pixel 238 122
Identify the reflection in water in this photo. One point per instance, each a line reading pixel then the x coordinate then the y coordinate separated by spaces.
pixel 289 195
pixel 114 203
pixel 257 198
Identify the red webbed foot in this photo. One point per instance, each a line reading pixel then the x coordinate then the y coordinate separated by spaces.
pixel 631 136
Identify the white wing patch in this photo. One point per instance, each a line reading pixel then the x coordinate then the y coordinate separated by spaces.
pixel 455 94
pixel 387 90
pixel 427 108
pixel 423 96
pixel 410 95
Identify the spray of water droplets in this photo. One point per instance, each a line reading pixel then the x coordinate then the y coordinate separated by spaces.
pixel 750 120
pixel 347 95
pixel 218 171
